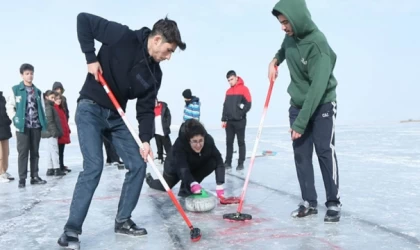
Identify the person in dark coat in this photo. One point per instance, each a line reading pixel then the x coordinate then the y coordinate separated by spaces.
pixel 162 129
pixel 193 157
pixel 53 132
pixel 5 135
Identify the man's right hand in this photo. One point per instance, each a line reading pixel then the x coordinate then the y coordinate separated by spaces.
pixel 223 124
pixel 94 68
pixel 272 72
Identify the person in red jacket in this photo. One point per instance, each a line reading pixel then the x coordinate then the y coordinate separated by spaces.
pixel 65 138
pixel 162 129
pixel 237 104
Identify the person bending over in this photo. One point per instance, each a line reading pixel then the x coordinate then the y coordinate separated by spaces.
pixel 193 157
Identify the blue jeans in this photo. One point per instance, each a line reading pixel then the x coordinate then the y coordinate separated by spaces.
pixel 92 121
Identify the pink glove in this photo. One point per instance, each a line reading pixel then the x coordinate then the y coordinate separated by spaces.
pixel 195 188
pixel 220 191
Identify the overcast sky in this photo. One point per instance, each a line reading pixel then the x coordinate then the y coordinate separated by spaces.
pixel 375 41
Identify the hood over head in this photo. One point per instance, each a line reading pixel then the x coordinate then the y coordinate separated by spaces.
pixel 58 85
pixel 195 99
pixel 297 12
pixel 142 36
pixel 240 81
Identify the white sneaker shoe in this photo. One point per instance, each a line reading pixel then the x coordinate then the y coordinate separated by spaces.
pixel 3 178
pixel 9 176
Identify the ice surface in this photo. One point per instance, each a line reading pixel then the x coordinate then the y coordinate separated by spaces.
pixel 380 189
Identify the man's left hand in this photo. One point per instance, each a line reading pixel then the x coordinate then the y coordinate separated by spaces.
pixel 145 151
pixel 295 135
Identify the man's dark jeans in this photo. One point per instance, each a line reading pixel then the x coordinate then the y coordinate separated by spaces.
pixel 92 121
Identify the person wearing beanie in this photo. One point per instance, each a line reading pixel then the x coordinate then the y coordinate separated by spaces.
pixel 192 106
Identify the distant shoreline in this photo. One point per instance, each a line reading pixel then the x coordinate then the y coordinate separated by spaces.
pixel 409 120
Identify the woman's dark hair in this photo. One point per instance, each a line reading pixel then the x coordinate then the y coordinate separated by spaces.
pixel 193 128
pixel 57 94
pixel 48 92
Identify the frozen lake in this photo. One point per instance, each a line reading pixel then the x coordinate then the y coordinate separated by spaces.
pixel 379 171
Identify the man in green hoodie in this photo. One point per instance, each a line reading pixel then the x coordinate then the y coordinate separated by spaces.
pixel 313 107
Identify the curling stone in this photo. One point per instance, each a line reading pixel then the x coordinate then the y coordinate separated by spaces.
pixel 203 202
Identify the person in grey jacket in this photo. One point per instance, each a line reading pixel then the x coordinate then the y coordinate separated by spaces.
pixel 54 130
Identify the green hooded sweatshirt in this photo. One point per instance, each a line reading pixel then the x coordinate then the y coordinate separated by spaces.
pixel 310 60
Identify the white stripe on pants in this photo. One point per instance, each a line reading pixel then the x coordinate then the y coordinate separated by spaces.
pixel 53 161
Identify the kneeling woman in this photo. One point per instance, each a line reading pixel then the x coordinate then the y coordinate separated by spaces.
pixel 193 157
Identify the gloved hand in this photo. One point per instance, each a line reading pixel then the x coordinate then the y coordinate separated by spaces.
pixel 195 188
pixel 220 191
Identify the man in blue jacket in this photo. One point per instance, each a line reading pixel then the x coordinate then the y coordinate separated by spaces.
pixel 129 61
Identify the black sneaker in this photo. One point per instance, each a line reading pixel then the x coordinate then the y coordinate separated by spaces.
pixel 69 240
pixel 333 213
pixel 59 172
pixel 50 172
pixel 184 192
pixel 65 169
pixel 129 228
pixel 120 165
pixel 149 179
pixel 227 166
pixel 38 181
pixel 22 183
pixel 240 166
pixel 304 210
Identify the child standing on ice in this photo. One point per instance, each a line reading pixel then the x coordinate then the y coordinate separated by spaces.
pixel 53 132
pixel 65 138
